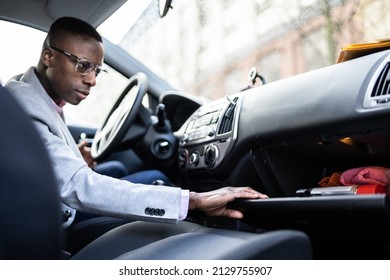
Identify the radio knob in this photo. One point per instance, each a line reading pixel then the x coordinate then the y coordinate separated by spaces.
pixel 210 132
pixel 210 155
pixel 194 158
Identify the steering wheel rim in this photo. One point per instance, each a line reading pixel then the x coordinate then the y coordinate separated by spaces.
pixel 120 118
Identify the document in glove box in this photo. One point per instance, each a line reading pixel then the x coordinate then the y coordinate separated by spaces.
pixel 341 190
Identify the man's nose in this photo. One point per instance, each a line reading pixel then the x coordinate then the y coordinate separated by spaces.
pixel 91 78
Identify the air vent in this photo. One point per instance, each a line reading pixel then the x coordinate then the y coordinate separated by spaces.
pixel 378 90
pixel 381 88
pixel 228 117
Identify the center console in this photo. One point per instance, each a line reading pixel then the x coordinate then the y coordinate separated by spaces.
pixel 209 134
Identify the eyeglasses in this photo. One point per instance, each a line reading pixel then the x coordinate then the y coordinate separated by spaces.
pixel 83 65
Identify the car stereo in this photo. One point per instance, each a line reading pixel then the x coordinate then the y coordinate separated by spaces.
pixel 208 135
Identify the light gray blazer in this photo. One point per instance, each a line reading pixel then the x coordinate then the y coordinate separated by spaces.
pixel 80 187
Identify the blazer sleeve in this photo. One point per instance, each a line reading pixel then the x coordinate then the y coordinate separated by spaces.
pixel 85 190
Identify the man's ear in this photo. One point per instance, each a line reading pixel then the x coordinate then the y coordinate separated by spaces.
pixel 47 57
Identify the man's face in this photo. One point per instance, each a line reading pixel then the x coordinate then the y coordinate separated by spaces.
pixel 65 81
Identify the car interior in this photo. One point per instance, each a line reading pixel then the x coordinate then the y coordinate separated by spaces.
pixel 280 138
pixel 34 220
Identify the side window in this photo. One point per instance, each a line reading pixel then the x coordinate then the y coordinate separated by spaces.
pixel 19 49
pixel 16 56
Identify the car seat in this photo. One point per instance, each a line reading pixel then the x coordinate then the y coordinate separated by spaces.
pixel 31 217
pixel 29 202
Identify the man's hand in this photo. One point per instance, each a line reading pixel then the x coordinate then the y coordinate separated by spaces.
pixel 214 203
pixel 86 153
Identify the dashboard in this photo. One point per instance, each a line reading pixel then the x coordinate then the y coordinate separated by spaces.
pixel 288 135
pixel 307 115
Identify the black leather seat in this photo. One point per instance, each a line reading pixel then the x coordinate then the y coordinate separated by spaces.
pixel 29 204
pixel 184 241
pixel 31 221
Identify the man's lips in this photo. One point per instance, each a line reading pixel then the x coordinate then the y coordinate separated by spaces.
pixel 82 93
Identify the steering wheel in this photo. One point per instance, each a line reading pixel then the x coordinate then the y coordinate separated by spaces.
pixel 120 118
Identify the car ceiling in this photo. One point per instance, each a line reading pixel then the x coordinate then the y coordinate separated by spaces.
pixel 41 13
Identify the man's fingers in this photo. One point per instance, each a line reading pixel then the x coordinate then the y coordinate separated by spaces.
pixel 234 214
pixel 229 213
pixel 246 192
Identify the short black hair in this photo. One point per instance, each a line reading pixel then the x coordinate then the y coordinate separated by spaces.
pixel 71 25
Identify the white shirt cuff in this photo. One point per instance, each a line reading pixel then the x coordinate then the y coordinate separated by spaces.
pixel 185 200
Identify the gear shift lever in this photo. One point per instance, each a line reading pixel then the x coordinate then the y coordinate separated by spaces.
pixel 161 116
pixel 162 124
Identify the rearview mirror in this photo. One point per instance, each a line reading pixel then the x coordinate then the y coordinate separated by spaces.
pixel 163 7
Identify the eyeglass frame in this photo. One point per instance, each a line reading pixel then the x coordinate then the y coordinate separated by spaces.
pixel 97 68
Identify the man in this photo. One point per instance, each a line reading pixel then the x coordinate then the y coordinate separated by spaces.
pixel 71 58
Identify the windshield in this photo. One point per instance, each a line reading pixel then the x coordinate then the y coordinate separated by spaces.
pixel 207 48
